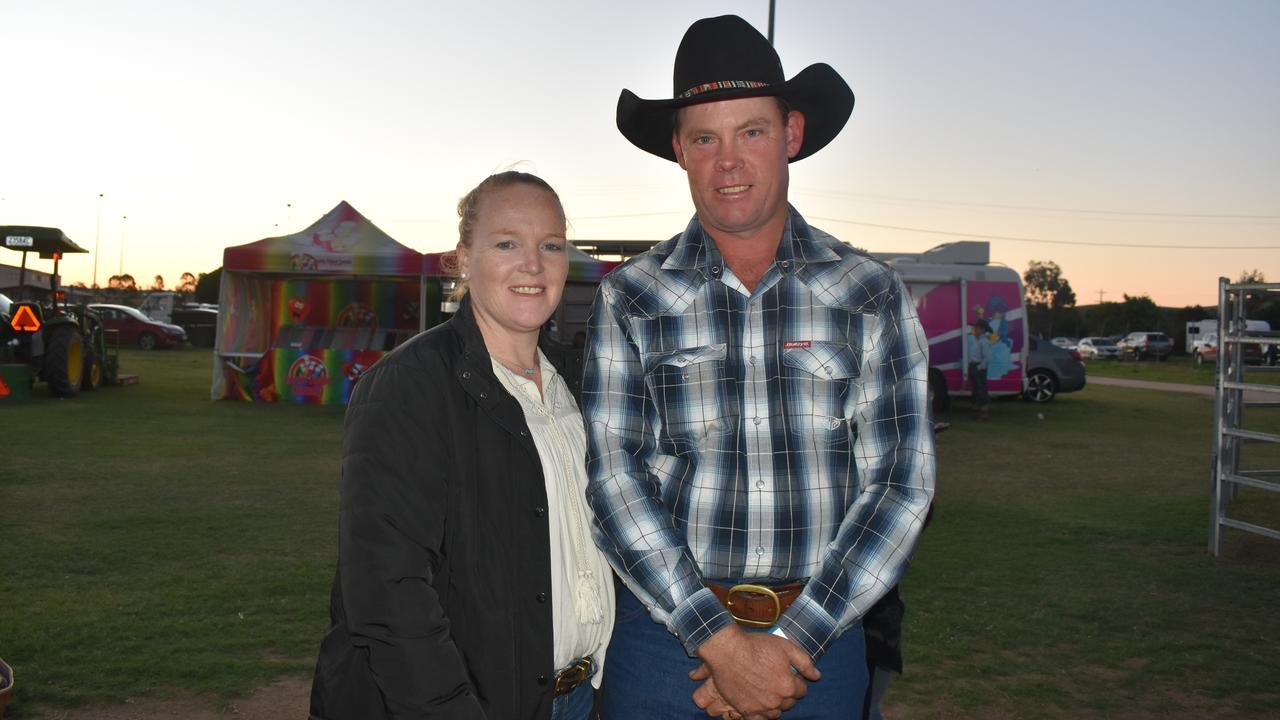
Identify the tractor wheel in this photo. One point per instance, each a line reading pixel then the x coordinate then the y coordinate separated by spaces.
pixel 64 361
pixel 92 379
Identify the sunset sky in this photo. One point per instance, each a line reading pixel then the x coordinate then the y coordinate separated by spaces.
pixel 1135 143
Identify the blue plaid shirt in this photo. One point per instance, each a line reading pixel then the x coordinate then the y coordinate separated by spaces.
pixel 772 436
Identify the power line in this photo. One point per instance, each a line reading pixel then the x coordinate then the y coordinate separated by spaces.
pixel 1047 241
pixel 1086 211
pixel 628 215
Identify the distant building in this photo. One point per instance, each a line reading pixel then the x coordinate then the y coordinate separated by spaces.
pixel 34 279
pixel 613 249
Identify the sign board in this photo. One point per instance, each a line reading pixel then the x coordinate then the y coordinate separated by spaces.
pixel 24 320
pixel 19 241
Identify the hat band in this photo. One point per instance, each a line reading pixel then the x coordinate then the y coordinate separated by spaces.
pixel 721 85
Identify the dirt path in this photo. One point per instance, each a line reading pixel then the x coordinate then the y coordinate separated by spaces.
pixel 1205 390
pixel 283 700
pixel 1152 385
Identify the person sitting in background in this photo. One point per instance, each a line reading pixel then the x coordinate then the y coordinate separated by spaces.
pixel 468 585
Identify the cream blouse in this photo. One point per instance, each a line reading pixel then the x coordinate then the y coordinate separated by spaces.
pixel 581 581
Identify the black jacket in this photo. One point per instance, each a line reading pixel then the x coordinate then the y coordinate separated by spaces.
pixel 441 606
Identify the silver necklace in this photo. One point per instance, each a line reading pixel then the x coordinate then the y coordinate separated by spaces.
pixel 528 371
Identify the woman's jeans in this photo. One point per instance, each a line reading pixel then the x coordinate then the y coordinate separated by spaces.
pixel 575 705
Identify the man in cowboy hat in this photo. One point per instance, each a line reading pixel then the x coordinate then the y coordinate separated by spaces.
pixel 760 449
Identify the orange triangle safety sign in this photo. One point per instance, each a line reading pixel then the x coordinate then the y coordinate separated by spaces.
pixel 25 320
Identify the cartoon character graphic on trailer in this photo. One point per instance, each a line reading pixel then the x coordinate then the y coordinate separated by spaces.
pixel 994 312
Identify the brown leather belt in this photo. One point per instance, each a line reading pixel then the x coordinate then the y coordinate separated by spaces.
pixel 570 678
pixel 756 605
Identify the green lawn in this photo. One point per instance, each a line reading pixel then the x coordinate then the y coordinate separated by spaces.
pixel 158 543
pixel 1177 369
pixel 154 540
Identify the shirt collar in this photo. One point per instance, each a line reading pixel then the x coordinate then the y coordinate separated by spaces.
pixel 695 249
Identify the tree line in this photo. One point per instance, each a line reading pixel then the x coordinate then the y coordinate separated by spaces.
pixel 1052 310
pixel 202 287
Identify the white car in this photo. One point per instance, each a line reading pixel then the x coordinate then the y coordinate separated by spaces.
pixel 1066 343
pixel 1098 348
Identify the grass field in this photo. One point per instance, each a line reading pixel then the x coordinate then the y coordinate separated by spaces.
pixel 157 543
pixel 1177 369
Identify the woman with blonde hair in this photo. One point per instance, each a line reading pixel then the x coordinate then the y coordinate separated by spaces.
pixel 468 585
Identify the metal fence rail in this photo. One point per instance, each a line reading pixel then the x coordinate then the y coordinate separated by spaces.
pixel 1230 437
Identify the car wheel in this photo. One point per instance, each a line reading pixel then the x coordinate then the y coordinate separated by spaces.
pixel 939 400
pixel 147 341
pixel 1041 386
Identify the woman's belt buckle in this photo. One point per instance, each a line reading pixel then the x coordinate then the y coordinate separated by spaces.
pixel 756 590
pixel 571 677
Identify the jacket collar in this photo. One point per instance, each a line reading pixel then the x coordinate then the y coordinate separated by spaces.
pixel 475 371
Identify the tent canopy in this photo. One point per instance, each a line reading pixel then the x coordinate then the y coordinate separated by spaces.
pixel 343 242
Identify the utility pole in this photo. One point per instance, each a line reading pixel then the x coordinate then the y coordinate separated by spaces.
pixel 1100 294
pixel 97 239
pixel 123 218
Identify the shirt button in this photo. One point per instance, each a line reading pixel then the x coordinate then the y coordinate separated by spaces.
pixel 540 511
pixel 760 551
pixel 466 374
pixel 760 484
pixel 715 270
pixel 756 420
pixel 542 680
pixel 752 359
pixel 786 264
pixel 542 597
pixel 828 369
pixel 684 376
pixel 484 395
pixel 523 433
pixel 833 423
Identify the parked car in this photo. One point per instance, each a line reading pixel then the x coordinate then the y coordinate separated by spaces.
pixel 1052 370
pixel 1206 351
pixel 1098 348
pixel 1142 345
pixel 138 329
pixel 1066 343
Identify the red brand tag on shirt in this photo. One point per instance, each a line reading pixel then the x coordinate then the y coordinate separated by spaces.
pixel 796 344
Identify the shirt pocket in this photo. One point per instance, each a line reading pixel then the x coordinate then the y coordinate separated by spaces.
pixel 819 379
pixel 694 397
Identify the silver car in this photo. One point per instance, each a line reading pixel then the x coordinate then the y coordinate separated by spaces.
pixel 1098 348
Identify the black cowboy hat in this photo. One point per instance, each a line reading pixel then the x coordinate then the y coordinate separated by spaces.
pixel 723 58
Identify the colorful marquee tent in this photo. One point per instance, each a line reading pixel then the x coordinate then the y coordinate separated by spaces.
pixel 300 317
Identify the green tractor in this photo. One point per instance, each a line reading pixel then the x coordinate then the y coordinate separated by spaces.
pixel 64 344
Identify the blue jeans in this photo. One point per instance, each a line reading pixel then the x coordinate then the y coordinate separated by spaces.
pixel 575 705
pixel 647 673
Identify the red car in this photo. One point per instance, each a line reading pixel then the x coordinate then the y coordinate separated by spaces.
pixel 138 329
pixel 1207 351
